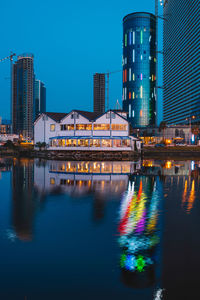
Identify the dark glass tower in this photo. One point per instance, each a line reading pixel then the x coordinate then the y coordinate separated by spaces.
pixel 39 98
pixel 139 68
pixel 181 43
pixel 99 92
pixel 22 91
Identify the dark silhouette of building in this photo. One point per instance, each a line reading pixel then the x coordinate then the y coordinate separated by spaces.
pixel 181 73
pixel 39 98
pixel 139 68
pixel 22 99
pixel 99 93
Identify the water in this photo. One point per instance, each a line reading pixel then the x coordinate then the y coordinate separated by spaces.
pixel 99 230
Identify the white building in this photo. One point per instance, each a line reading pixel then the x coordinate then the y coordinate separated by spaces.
pixel 81 130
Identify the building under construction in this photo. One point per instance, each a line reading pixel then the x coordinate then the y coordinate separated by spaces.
pixel 99 92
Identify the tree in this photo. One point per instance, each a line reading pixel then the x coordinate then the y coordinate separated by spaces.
pixel 9 144
pixel 162 127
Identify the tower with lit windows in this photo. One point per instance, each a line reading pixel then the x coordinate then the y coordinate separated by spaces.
pixel 139 68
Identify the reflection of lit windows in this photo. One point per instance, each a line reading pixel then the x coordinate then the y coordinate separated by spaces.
pixel 52 180
pixel 52 127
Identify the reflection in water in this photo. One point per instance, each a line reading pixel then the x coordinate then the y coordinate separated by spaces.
pixel 138 233
pixel 23 197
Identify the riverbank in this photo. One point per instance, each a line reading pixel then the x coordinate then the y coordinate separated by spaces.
pixel 71 155
pixel 171 152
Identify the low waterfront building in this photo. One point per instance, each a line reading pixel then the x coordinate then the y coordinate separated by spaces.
pixel 82 130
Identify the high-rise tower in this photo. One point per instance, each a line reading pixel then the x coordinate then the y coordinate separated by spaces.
pixel 39 98
pixel 22 91
pixel 139 68
pixel 181 71
pixel 99 92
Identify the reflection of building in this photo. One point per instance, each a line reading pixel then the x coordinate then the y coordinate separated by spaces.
pixel 138 229
pixel 81 178
pixel 166 168
pixel 139 68
pixel 23 198
pixel 99 93
pixel 181 61
pixel 39 98
pixel 23 86
pixel 81 130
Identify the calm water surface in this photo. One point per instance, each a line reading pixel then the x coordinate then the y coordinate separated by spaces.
pixel 99 230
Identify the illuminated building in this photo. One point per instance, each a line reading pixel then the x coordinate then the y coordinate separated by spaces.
pixel 99 93
pixel 139 68
pixel 39 98
pixel 83 130
pixel 181 73
pixel 23 90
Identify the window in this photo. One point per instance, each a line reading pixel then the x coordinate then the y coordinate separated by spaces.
pixel 129 110
pixel 141 91
pixel 126 143
pixel 125 40
pixel 67 127
pixel 52 180
pixel 116 143
pixel 125 76
pixel 133 55
pixel 129 74
pixel 95 143
pixel 133 37
pixel 141 37
pixel 83 126
pixel 130 34
pixel 121 127
pixel 70 143
pixel 52 127
pixel 101 126
pixel 129 95
pixel 106 143
pixel 133 95
pixel 83 143
pixel 74 116
pixel 133 113
pixel 133 77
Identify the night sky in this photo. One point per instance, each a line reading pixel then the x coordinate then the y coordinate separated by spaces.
pixel 70 40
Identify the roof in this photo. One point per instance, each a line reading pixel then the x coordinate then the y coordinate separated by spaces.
pixel 88 114
pixel 56 116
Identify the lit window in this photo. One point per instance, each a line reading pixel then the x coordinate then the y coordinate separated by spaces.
pixel 130 34
pixel 101 126
pixel 83 143
pixel 66 127
pixel 133 55
pixel 141 57
pixel 129 110
pixel 141 76
pixel 141 113
pixel 141 37
pixel 133 76
pixel 149 38
pixel 133 37
pixel 95 143
pixel 141 91
pixel 129 74
pixel 125 93
pixel 129 95
pixel 133 113
pixel 52 127
pixel 52 181
pixel 125 76
pixel 83 126
pixel 106 143
pixel 149 57
pixel 125 38
pixel 120 127
pixel 133 95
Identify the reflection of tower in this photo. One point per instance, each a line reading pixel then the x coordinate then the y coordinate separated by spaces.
pixel 138 232
pixel 99 207
pixel 22 196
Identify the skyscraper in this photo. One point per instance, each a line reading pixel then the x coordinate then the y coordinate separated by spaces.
pixel 181 43
pixel 99 93
pixel 139 68
pixel 22 99
pixel 39 98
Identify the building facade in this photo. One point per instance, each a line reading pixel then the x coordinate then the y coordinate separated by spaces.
pixel 181 72
pixel 81 130
pixel 99 93
pixel 39 98
pixel 22 95
pixel 139 68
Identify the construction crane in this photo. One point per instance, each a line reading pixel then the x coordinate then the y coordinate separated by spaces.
pixel 107 86
pixel 8 57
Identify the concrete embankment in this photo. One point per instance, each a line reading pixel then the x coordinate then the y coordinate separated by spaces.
pixel 178 152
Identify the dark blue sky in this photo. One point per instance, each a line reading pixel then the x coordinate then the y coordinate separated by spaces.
pixel 70 41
